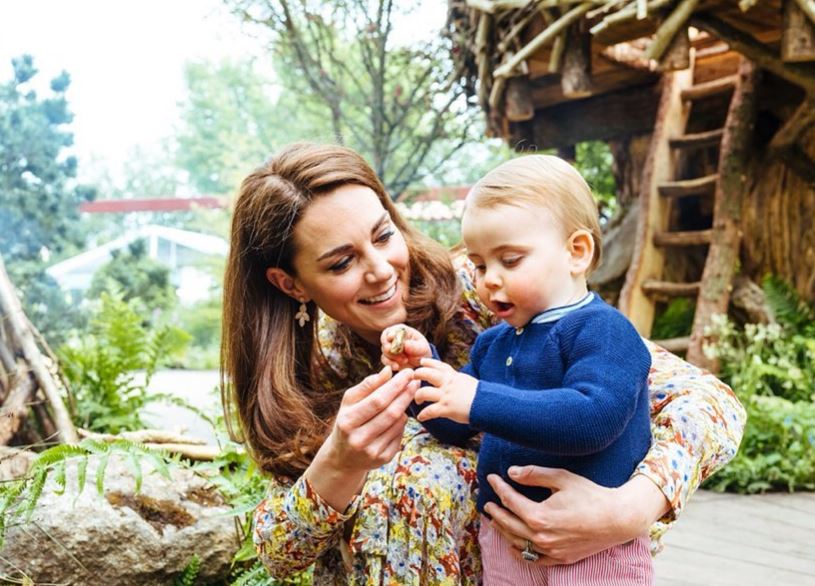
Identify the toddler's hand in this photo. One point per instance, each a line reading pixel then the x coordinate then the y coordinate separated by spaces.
pixel 403 346
pixel 452 393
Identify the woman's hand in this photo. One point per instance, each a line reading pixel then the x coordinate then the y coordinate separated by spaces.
pixel 367 433
pixel 403 346
pixel 579 519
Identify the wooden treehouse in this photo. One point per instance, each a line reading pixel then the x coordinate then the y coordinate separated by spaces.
pixel 709 109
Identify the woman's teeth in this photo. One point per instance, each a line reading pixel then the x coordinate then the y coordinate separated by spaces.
pixel 379 298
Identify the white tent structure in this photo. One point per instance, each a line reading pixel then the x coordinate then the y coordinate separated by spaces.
pixel 182 251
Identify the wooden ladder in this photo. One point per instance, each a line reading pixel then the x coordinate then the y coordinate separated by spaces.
pixel 689 206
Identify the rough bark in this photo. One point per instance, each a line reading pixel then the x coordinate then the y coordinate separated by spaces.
pixel 720 267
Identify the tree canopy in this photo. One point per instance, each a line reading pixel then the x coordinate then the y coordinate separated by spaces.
pixel 39 200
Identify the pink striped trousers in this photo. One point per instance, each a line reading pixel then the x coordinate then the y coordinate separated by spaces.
pixel 623 565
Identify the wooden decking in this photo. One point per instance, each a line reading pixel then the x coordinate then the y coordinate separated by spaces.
pixel 725 539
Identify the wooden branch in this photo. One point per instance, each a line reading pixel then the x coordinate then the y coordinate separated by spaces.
pixel 677 55
pixel 723 253
pixel 747 45
pixel 548 34
pixel 482 57
pixel 10 306
pixel 15 407
pixel 491 7
pixel 808 7
pixel 516 30
pixel 794 128
pixel 627 13
pixel 556 56
pixel 144 436
pixel 670 28
pixel 797 35
pixel 157 439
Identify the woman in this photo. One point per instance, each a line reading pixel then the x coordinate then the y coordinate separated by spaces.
pixel 358 486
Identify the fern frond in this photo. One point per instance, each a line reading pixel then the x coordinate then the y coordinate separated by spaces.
pixel 787 306
pixel 34 492
pixel 190 572
pixel 100 472
pixel 59 476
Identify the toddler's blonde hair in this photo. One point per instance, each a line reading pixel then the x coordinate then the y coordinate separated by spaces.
pixel 546 181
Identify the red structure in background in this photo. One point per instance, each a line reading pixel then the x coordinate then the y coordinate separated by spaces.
pixel 165 204
pixel 182 204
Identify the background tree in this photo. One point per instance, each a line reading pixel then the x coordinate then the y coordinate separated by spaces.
pixel 39 197
pixel 137 277
pixel 39 201
pixel 398 105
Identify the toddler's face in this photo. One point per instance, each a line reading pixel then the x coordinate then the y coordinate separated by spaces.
pixel 523 261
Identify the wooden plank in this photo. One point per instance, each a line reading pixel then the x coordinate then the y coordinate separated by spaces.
pixel 687 187
pixel 688 238
pixel 741 540
pixel 710 88
pixel 648 260
pixel 669 289
pixel 607 117
pixel 674 345
pixel 697 140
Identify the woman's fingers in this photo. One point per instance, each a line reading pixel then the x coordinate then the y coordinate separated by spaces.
pixel 376 401
pixel 368 385
pixel 551 478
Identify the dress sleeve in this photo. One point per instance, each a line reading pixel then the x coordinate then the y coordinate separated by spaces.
pixel 697 423
pixel 293 526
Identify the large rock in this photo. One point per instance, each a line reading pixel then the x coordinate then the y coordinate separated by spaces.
pixel 123 537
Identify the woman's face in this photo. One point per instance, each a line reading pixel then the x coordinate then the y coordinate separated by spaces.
pixel 352 261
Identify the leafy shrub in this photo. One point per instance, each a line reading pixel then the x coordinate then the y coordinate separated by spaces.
pixel 772 370
pixel 110 367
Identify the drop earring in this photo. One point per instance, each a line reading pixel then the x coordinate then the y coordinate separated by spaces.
pixel 302 316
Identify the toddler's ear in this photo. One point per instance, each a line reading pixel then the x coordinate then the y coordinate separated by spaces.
pixel 581 247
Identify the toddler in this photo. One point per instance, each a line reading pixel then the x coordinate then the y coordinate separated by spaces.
pixel 561 382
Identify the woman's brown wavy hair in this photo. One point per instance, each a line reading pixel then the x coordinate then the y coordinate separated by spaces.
pixel 271 367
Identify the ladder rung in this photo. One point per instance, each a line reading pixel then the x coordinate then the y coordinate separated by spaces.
pixel 674 344
pixel 698 139
pixel 670 289
pixel 710 88
pixel 699 186
pixel 689 238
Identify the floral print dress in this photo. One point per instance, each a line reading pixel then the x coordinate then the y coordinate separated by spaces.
pixel 415 520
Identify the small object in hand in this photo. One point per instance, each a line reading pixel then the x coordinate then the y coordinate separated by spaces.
pixel 530 554
pixel 398 344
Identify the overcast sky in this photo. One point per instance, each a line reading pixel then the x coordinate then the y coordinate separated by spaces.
pixel 126 60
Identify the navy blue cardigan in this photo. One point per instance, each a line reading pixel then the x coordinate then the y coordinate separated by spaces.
pixel 569 393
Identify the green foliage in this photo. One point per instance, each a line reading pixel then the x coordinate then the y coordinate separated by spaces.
pixel 102 365
pixel 772 369
pixel 595 163
pixel 675 321
pixel 18 498
pixel 138 278
pixel 190 573
pixel 777 451
pixel 38 198
pixel 231 122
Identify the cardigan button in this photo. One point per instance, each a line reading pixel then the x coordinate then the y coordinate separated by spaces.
pixel 509 361
pixel 519 331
